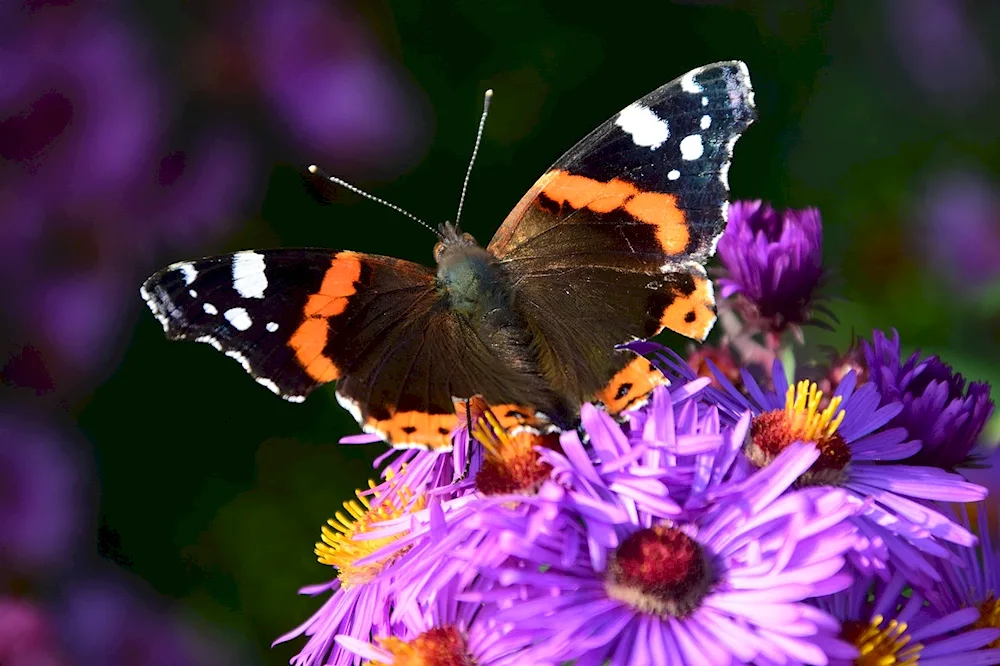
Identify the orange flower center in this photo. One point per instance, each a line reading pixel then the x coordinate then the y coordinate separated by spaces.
pixel 444 646
pixel 511 465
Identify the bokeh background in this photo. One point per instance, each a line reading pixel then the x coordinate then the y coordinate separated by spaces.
pixel 157 506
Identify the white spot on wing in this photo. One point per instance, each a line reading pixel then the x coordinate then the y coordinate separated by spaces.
pixel 271 327
pixel 706 121
pixel 249 274
pixel 189 271
pixel 192 293
pixel 645 127
pixel 210 309
pixel 272 387
pixel 704 101
pixel 689 85
pixel 353 408
pixel 208 339
pixel 240 358
pixel 160 317
pixel 724 174
pixel 691 147
pixel 673 174
pixel 239 318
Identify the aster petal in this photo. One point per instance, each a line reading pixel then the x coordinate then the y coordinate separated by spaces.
pixel 882 446
pixel 923 482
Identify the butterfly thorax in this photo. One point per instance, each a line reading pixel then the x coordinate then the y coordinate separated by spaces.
pixel 468 277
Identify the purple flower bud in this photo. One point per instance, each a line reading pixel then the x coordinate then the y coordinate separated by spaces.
pixel 773 260
pixel 938 408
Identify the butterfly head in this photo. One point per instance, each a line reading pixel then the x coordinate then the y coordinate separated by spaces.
pixel 454 244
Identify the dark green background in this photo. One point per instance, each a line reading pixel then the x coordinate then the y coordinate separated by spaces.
pixel 214 490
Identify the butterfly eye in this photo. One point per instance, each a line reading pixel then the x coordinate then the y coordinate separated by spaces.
pixel 468 238
pixel 438 247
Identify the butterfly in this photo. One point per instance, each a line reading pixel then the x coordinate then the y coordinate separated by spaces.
pixel 607 247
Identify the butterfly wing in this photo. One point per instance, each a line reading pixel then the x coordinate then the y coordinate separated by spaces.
pixel 297 319
pixel 621 226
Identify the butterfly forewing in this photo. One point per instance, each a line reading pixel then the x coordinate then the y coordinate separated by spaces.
pixel 613 237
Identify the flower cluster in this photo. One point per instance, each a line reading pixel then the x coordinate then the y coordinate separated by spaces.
pixel 736 517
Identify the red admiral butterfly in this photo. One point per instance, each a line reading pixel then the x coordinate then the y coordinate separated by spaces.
pixel 607 247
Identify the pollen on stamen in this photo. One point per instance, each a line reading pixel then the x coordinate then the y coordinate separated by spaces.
pixel 880 645
pixel 511 463
pixel 989 616
pixel 802 420
pixel 340 549
pixel 441 646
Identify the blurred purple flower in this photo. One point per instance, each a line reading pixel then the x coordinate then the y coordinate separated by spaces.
pixel 42 499
pixel 938 408
pixel 773 260
pixel 91 190
pixel 108 620
pixel 960 215
pixel 939 47
pixel 27 637
pixel 332 90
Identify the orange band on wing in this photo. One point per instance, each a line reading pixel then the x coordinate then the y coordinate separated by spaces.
pixel 417 430
pixel 630 386
pixel 310 338
pixel 509 415
pixel 655 208
pixel 694 314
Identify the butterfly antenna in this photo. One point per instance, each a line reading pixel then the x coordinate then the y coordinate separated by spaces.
pixel 343 183
pixel 475 151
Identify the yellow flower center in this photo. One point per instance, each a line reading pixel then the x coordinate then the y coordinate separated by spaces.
pixel 339 547
pixel 802 420
pixel 882 646
pixel 989 616
pixel 444 646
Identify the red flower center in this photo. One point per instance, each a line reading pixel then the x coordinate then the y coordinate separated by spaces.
pixel 659 570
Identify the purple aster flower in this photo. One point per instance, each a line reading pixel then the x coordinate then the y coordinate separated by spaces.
pixel 360 601
pixel 939 410
pixel 41 495
pixel 719 586
pixel 604 508
pixel 890 627
pixel 860 454
pixel 27 637
pixel 773 262
pixel 975 582
pixel 447 631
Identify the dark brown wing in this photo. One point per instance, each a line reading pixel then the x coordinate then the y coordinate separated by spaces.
pixel 297 319
pixel 608 246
